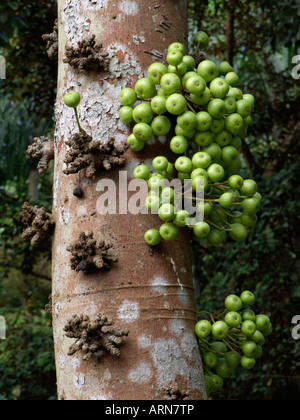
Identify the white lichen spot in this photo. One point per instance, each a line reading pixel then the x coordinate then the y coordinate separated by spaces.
pixel 62 361
pixel 184 297
pixel 177 326
pixel 148 162
pixel 168 360
pixel 94 4
pixel 64 217
pixel 151 141
pixel 159 284
pixel 144 342
pixel 139 39
pixel 80 288
pixel 57 307
pixel 100 397
pixel 131 167
pixel 107 375
pixel 129 311
pixel 79 381
pixel 81 211
pixel 129 7
pixel 55 188
pixel 162 139
pixel 189 345
pixel 75 363
pixel 93 309
pixel 141 374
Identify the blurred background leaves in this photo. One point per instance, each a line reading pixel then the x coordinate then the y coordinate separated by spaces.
pixel 27 370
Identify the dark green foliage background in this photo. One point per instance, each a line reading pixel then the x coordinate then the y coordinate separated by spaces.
pixel 27 370
pixel 266 37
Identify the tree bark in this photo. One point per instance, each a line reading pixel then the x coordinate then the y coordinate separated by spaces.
pixel 230 33
pixel 150 294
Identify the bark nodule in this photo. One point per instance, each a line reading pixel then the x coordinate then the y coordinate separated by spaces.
pixel 40 223
pixel 92 155
pixel 88 257
pixel 93 338
pixel 52 41
pixel 87 56
pixel 42 148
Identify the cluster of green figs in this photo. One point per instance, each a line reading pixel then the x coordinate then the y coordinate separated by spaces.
pixel 232 339
pixel 205 117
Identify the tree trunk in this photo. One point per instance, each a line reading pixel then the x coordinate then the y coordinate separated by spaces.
pixel 230 33
pixel 150 294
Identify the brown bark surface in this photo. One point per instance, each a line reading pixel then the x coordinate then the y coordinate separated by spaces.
pixel 150 294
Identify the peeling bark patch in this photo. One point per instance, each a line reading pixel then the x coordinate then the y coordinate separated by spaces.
pixel 99 112
pixel 141 374
pixel 129 311
pixel 75 24
pixel 129 7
